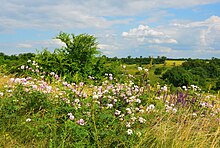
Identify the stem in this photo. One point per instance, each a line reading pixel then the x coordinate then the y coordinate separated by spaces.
pixel 94 124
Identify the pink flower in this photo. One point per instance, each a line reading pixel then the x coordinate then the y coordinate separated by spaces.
pixel 71 117
pixel 81 122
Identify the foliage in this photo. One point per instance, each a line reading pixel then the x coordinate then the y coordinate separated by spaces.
pixel 159 70
pixel 200 72
pixel 10 63
pixel 178 76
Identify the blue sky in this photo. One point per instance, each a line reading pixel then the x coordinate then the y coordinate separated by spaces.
pixel 171 28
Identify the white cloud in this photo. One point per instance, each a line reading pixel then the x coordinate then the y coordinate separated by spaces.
pixel 24 45
pixel 205 34
pixel 146 34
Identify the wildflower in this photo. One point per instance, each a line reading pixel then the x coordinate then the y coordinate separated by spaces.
pixel 81 122
pixel 194 114
pixel 133 118
pixel 139 68
pixel 69 114
pixel 184 87
pixel 129 131
pixel 81 84
pixel 109 105
pixel 76 101
pixel 1 94
pixel 128 124
pixel 174 110
pixel 141 111
pixel 84 95
pixel 141 120
pixel 146 70
pixel 128 110
pixel 28 120
pixel 117 112
pixel 138 100
pixel 34 86
pixel 65 83
pixel 29 61
pixel 123 66
pixel 95 97
pixel 164 88
pixel 9 90
pixel 22 67
pixel 56 76
pixel 150 107
pixel 71 117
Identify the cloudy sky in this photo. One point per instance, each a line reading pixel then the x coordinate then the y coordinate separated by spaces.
pixel 172 28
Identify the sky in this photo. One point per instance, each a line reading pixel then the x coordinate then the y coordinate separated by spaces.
pixel 171 28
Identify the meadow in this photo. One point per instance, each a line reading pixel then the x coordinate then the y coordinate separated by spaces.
pixel 61 100
pixel 40 113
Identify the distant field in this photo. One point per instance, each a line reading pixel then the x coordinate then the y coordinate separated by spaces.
pixel 171 62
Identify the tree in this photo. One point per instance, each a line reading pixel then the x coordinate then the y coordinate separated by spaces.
pixel 75 61
pixel 178 76
pixel 80 49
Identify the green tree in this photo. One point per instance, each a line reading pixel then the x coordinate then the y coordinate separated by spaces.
pixel 178 76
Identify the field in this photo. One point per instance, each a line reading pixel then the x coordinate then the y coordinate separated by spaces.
pixel 36 112
pixel 73 97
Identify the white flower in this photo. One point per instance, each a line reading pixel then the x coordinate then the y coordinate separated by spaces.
pixel 124 66
pixel 129 131
pixel 117 112
pixel 128 110
pixel 28 120
pixel 164 88
pixel 141 120
pixel 69 114
pixel 194 114
pixel 150 107
pixel 138 100
pixel 109 105
pixel 128 124
pixel 1 94
pixel 139 68
pixel 76 100
pixel 22 67
pixel 174 110
pixel 95 97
